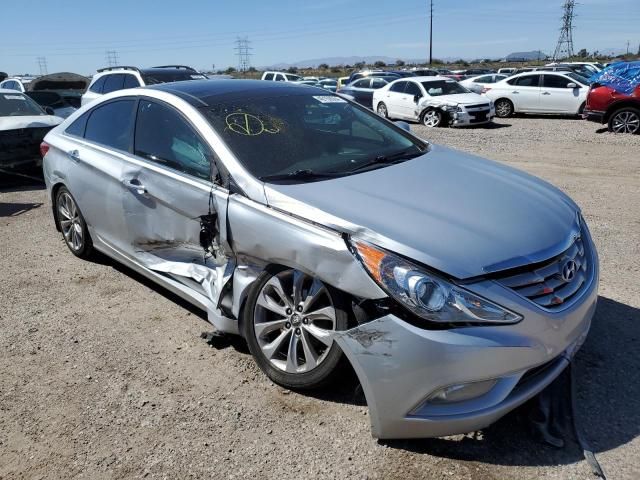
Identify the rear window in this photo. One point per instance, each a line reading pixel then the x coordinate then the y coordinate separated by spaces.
pixel 18 105
pixel 113 82
pixel 97 86
pixel 111 124
pixel 268 76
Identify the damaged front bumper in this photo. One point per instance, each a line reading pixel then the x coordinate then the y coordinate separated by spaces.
pixel 466 118
pixel 402 368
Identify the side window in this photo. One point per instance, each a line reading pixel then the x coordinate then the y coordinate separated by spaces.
pixel 362 83
pixel 485 79
pixel 377 83
pixel 98 85
pixel 111 124
pixel 113 82
pixel 555 81
pixel 268 76
pixel 528 81
pixel 413 90
pixel 78 126
pixel 398 87
pixel 279 77
pixel 130 81
pixel 164 137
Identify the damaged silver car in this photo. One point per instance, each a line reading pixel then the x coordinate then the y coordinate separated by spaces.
pixel 457 288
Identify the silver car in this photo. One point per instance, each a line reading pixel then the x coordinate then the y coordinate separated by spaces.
pixel 457 288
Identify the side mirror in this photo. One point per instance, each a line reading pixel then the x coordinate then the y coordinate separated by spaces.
pixel 403 125
pixel 417 97
pixel 572 85
pixel 49 111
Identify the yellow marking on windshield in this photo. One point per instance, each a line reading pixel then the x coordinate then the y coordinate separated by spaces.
pixel 250 125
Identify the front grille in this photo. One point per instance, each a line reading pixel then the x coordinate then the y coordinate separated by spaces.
pixel 478 105
pixel 547 285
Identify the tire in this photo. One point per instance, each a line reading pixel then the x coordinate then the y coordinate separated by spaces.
pixel 581 109
pixel 273 300
pixel 504 108
pixel 625 120
pixel 382 110
pixel 72 224
pixel 432 118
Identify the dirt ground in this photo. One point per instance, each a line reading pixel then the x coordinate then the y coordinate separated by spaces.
pixel 104 375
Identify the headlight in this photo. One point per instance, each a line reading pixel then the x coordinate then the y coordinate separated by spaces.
pixel 427 295
pixel 454 108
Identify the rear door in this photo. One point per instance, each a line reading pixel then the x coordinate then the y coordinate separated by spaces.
pixel 556 97
pixel 526 92
pixel 361 91
pixel 175 214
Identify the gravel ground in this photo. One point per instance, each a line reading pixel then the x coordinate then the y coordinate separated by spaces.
pixel 104 375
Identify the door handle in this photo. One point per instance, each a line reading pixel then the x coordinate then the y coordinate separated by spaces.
pixel 74 155
pixel 135 186
pixel 546 93
pixel 515 91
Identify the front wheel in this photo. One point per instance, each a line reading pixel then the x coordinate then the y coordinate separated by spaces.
pixel 72 224
pixel 432 118
pixel 382 110
pixel 289 322
pixel 504 108
pixel 625 120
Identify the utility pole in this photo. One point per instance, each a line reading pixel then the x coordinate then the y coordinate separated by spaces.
pixel 431 32
pixel 111 56
pixel 564 48
pixel 42 65
pixel 628 47
pixel 243 52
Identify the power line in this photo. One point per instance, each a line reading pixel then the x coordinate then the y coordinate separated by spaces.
pixel 42 65
pixel 111 56
pixel 243 52
pixel 564 48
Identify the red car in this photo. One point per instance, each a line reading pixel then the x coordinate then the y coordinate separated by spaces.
pixel 616 104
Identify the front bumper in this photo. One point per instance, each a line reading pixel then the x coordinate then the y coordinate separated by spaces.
pixel 400 366
pixel 467 118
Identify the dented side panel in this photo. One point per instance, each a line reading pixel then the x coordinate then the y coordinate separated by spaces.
pixel 266 236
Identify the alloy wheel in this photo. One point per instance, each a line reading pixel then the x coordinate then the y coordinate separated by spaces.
pixel 382 110
pixel 431 118
pixel 294 319
pixel 626 122
pixel 70 222
pixel 503 108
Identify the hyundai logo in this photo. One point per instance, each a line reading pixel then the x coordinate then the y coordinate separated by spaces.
pixel 569 271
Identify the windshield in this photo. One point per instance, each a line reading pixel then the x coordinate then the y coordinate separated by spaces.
pixel 309 132
pixel 18 105
pixel 443 87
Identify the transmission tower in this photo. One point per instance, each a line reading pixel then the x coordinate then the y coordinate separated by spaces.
pixel 564 48
pixel 243 51
pixel 111 56
pixel 42 65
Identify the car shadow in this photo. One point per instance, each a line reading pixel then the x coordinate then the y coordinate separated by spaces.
pixel 607 371
pixel 16 209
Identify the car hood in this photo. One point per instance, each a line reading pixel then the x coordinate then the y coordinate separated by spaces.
pixel 462 98
pixel 29 121
pixel 457 213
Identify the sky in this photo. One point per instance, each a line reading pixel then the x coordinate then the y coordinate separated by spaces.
pixel 74 35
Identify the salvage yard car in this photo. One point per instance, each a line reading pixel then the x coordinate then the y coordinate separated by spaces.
pixel 456 287
pixel 562 93
pixel 434 101
pixel 23 125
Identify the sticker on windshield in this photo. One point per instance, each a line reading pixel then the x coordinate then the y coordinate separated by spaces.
pixel 14 97
pixel 329 99
pixel 250 125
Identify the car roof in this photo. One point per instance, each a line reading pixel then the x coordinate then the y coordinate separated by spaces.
pixel 203 93
pixel 434 78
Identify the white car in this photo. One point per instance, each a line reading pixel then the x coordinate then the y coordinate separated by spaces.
pixel 433 101
pixel 562 93
pixel 281 77
pixel 111 79
pixel 477 84
pixel 16 84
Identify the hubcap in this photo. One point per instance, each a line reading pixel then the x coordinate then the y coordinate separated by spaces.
pixel 503 109
pixel 626 122
pixel 382 110
pixel 69 218
pixel 294 319
pixel 431 118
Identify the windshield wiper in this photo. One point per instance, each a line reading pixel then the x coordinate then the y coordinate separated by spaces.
pixel 389 159
pixel 305 174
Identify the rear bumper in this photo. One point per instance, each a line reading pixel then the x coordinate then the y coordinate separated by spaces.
pixel 593 116
pixel 401 366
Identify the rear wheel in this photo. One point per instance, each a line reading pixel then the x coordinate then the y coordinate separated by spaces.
pixel 72 224
pixel 504 108
pixel 625 120
pixel 382 110
pixel 432 118
pixel 289 322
